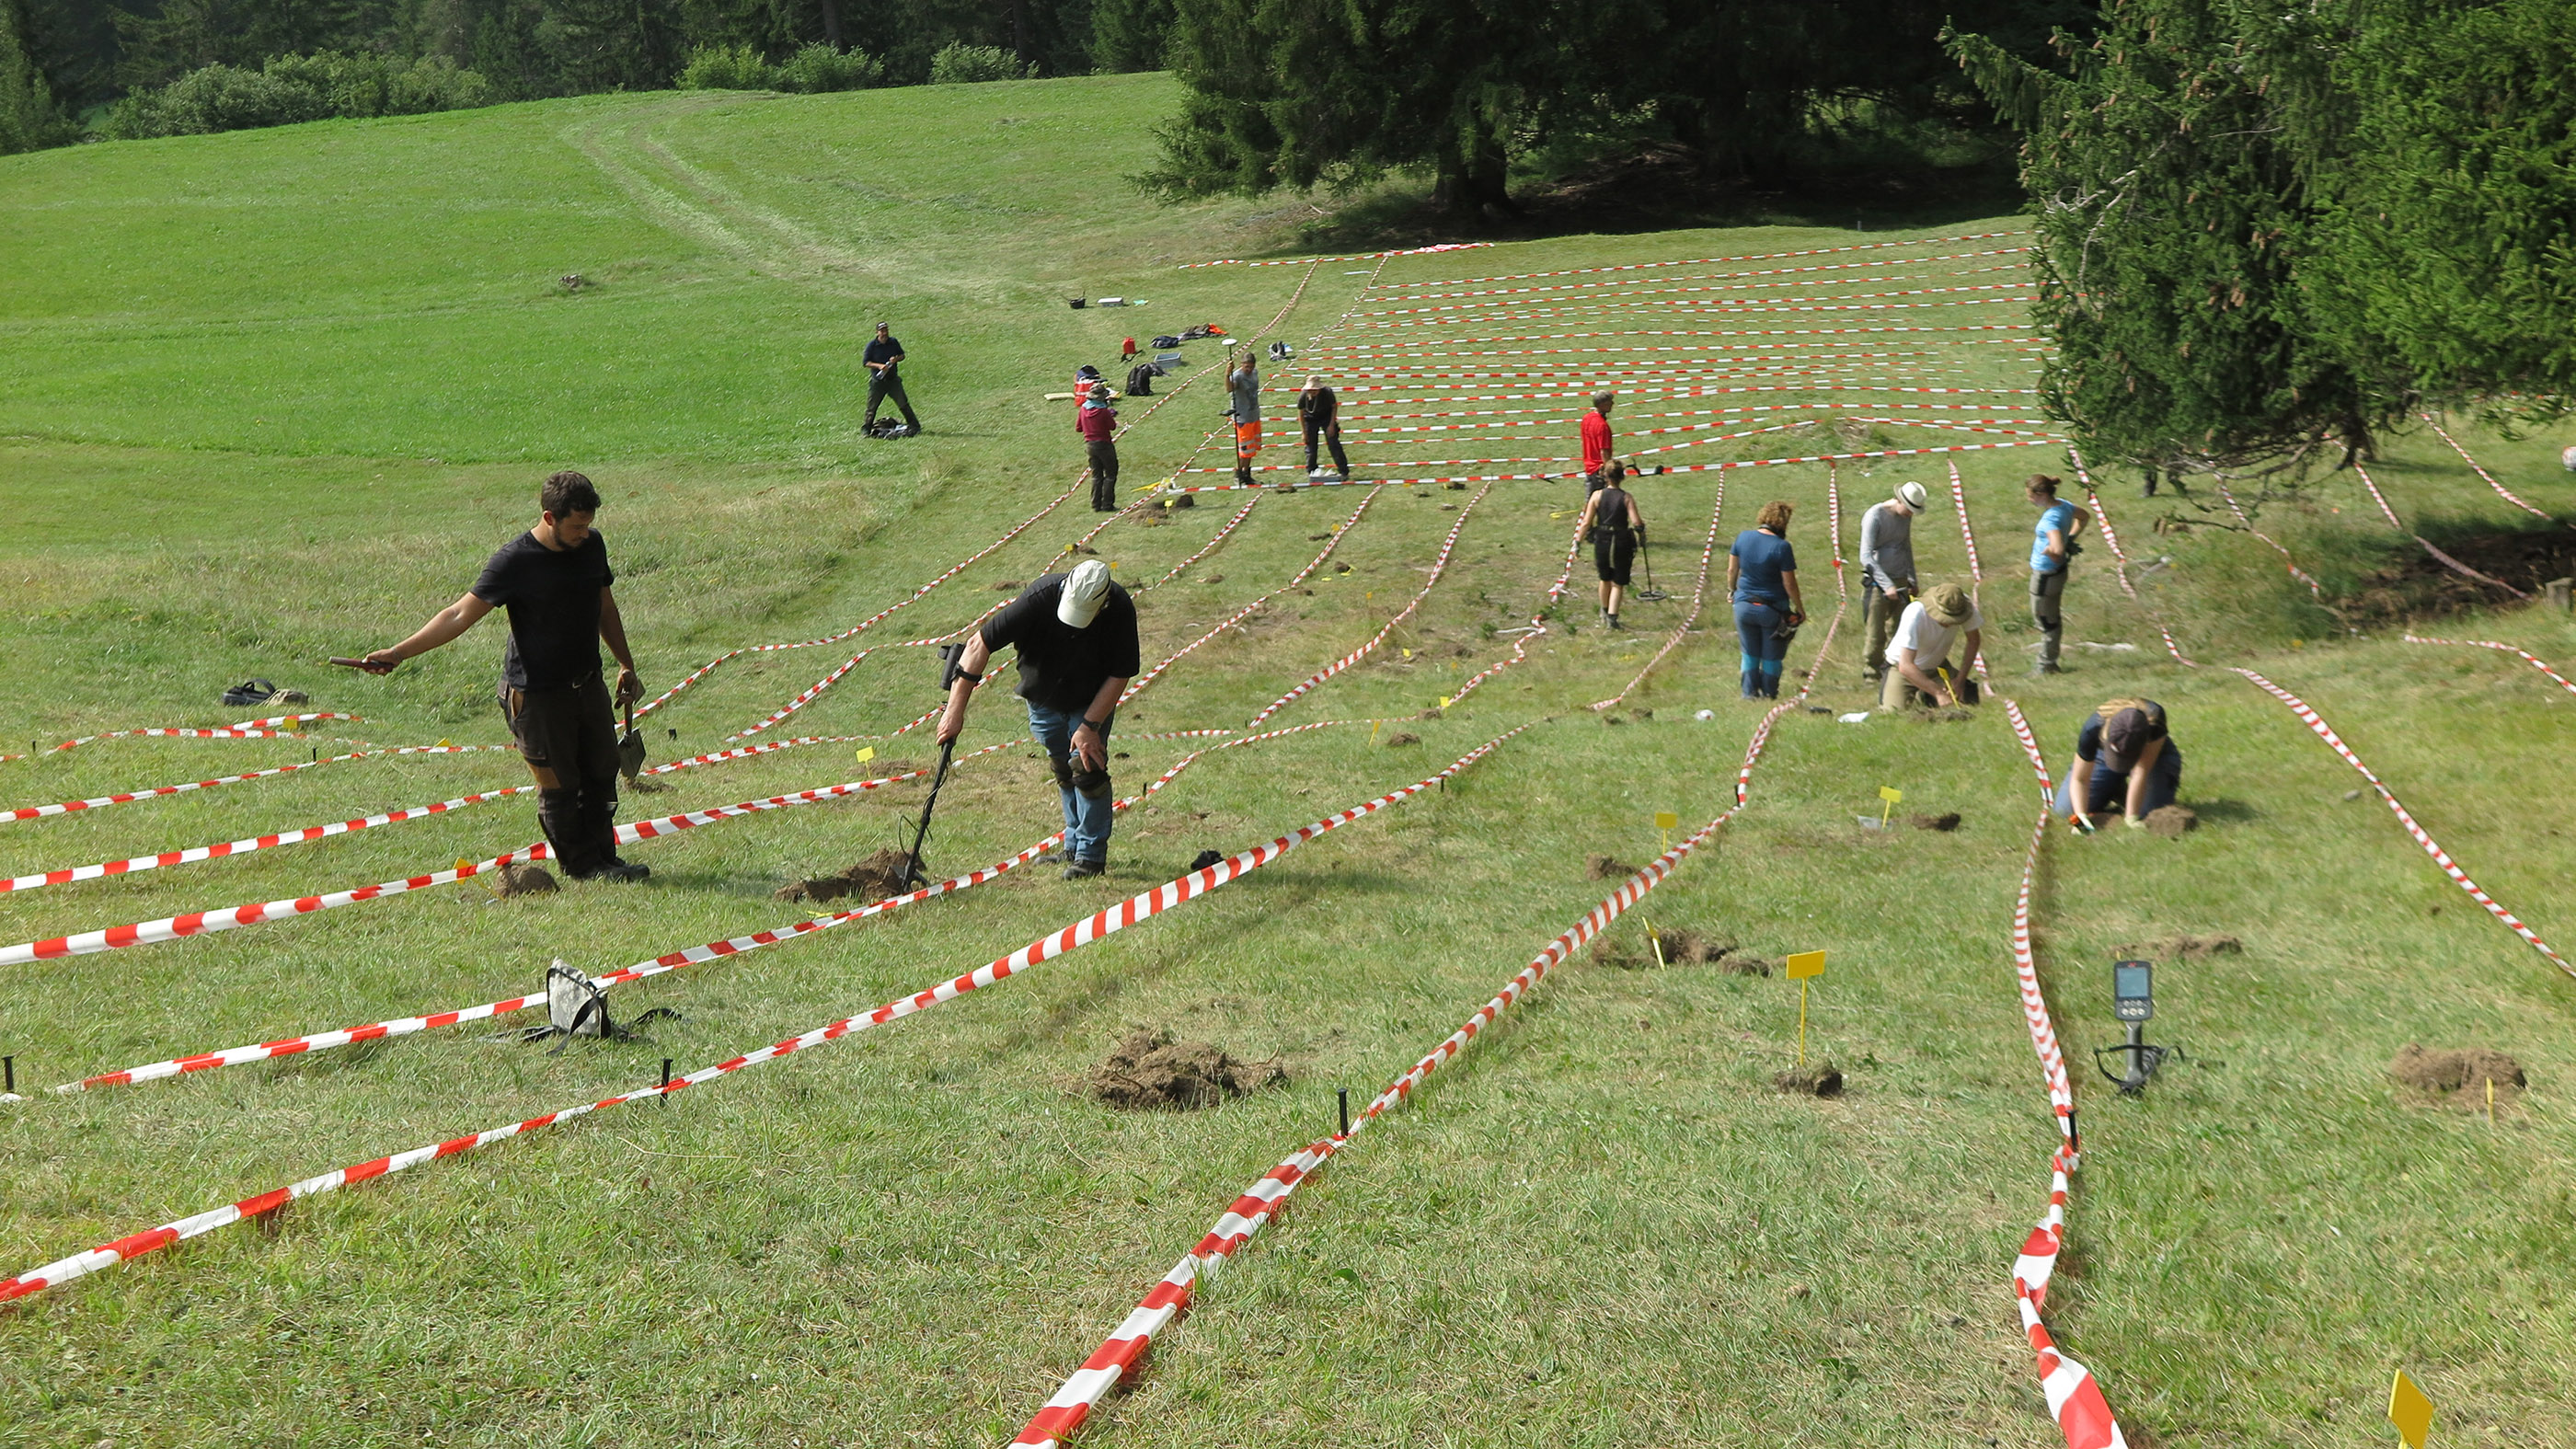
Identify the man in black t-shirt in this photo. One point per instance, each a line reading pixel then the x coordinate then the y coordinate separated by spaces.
pixel 554 579
pixel 884 359
pixel 1076 634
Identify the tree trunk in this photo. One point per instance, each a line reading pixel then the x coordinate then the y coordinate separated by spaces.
pixel 1020 30
pixel 832 23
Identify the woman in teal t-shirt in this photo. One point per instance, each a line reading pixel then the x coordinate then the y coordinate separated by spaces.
pixel 1762 578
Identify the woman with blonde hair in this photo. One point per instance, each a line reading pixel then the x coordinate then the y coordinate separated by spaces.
pixel 1762 579
pixel 2125 761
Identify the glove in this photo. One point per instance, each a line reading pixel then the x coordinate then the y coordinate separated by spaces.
pixel 2136 822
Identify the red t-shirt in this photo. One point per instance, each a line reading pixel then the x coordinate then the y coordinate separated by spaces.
pixel 1596 441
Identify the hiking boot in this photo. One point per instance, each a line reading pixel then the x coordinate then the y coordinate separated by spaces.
pixel 1615 624
pixel 1085 869
pixel 621 871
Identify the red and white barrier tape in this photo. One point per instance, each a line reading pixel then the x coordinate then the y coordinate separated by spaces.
pixel 2286 561
pixel 1439 566
pixel 2438 556
pixel 1209 547
pixel 1082 933
pixel 1340 531
pixel 655 966
pixel 100 802
pixel 258 729
pixel 1531 631
pixel 1781 360
pixel 2110 537
pixel 1675 468
pixel 2501 491
pixel 1353 257
pixel 2527 657
pixel 1749 257
pixel 135 864
pixel 1413 293
pixel 1674 297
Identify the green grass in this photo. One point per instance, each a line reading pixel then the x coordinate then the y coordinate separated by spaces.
pixel 1601 1226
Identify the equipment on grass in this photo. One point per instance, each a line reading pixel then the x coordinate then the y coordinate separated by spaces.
pixel 259 691
pixel 576 1006
pixel 1140 380
pixel 2133 1001
pixel 888 428
pixel 912 872
pixel 630 748
pixel 1649 594
pixel 1281 352
pixel 1166 340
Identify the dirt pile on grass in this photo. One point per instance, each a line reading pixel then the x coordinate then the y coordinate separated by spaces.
pixel 1949 821
pixel 523 880
pixel 1823 1079
pixel 1635 951
pixel 2458 1075
pixel 1402 737
pixel 2171 822
pixel 875 878
pixel 1149 1071
pixel 1604 867
pixel 2183 948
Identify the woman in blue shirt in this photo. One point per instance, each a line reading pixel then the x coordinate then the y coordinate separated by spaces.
pixel 1762 578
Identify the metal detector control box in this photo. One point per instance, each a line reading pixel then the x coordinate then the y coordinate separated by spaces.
pixel 2133 990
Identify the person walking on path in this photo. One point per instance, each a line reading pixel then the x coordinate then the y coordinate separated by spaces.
pixel 2134 765
pixel 884 358
pixel 1076 636
pixel 1595 430
pixel 1243 393
pixel 1886 572
pixel 1762 579
pixel 1611 521
pixel 1319 413
pixel 2052 550
pixel 555 581
pixel 1097 421
pixel 1918 655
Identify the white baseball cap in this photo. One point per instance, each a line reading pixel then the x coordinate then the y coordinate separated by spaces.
pixel 1084 591
pixel 1912 496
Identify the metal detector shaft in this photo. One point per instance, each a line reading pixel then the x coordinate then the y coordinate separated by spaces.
pixel 912 872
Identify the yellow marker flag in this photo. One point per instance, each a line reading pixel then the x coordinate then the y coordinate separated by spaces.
pixel 1891 795
pixel 444 745
pixel 463 864
pixel 1665 821
pixel 867 753
pixel 1803 964
pixel 2410 1411
pixel 1444 700
pixel 1408 653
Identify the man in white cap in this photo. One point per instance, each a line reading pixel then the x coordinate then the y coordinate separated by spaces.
pixel 1886 571
pixel 1076 633
pixel 1918 653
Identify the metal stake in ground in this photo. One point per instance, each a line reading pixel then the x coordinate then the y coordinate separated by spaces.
pixel 912 875
pixel 1800 967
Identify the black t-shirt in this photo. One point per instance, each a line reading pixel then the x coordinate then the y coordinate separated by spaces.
pixel 884 349
pixel 553 599
pixel 1318 408
pixel 1610 515
pixel 1062 667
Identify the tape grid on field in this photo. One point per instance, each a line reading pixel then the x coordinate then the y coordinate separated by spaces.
pixel 2501 491
pixel 657 965
pixel 1779 360
pixel 1082 933
pixel 2318 593
pixel 2317 725
pixel 1121 1356
pixel 100 802
pixel 1675 468
pixel 257 729
pixel 1749 257
pixel 2527 656
pixel 2438 556
pixel 1439 566
pixel 1353 257
pixel 1857 302
pixel 1742 280
pixel 1720 417
pixel 1562 413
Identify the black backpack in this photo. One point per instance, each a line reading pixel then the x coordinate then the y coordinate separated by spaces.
pixel 1167 341
pixel 1140 380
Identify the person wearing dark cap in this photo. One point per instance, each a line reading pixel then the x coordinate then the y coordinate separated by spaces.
pixel 1097 421
pixel 884 359
pixel 1077 642
pixel 2127 761
pixel 1918 651
pixel 554 580
pixel 1611 521
pixel 1595 433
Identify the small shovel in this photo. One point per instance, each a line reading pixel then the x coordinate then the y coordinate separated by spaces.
pixel 630 749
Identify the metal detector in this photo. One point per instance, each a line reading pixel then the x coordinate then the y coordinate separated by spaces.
pixel 1649 594
pixel 912 873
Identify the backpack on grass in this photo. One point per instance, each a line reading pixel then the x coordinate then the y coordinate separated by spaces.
pixel 1140 380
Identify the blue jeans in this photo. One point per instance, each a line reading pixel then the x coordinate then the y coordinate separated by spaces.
pixel 1087 795
pixel 2106 791
pixel 1757 630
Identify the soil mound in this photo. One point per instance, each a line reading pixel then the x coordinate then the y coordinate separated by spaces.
pixel 2184 948
pixel 2465 1072
pixel 1004 586
pixel 1823 1079
pixel 523 880
pixel 2171 822
pixel 875 878
pixel 1949 821
pixel 1634 951
pixel 1150 1071
pixel 1603 867
pixel 1402 737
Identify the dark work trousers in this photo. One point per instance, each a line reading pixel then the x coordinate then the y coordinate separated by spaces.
pixel 1331 433
pixel 1104 475
pixel 2047 592
pixel 569 739
pixel 883 385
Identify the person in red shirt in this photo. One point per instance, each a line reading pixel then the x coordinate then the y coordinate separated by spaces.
pixel 1097 421
pixel 1596 441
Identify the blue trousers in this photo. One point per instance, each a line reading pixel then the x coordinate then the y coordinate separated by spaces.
pixel 1757 630
pixel 2106 791
pixel 1087 794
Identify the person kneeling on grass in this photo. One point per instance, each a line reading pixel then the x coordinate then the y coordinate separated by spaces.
pixel 2127 760
pixel 1611 521
pixel 1076 633
pixel 1918 652
pixel 554 579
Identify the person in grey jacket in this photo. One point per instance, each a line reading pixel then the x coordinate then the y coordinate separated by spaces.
pixel 1243 391
pixel 1887 572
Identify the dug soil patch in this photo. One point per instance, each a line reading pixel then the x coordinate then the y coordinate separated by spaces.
pixel 2171 822
pixel 1635 951
pixel 875 878
pixel 2183 948
pixel 1823 1079
pixel 523 880
pixel 1150 1071
pixel 2419 585
pixel 1944 822
pixel 2459 1076
pixel 1603 867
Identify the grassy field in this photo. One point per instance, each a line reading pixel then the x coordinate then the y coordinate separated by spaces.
pixel 275 395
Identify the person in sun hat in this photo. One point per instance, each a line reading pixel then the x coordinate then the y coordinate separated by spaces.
pixel 1918 651
pixel 884 359
pixel 1887 572
pixel 2127 762
pixel 1076 636
pixel 1097 421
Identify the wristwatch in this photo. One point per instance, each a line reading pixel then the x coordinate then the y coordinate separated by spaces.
pixel 1097 727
